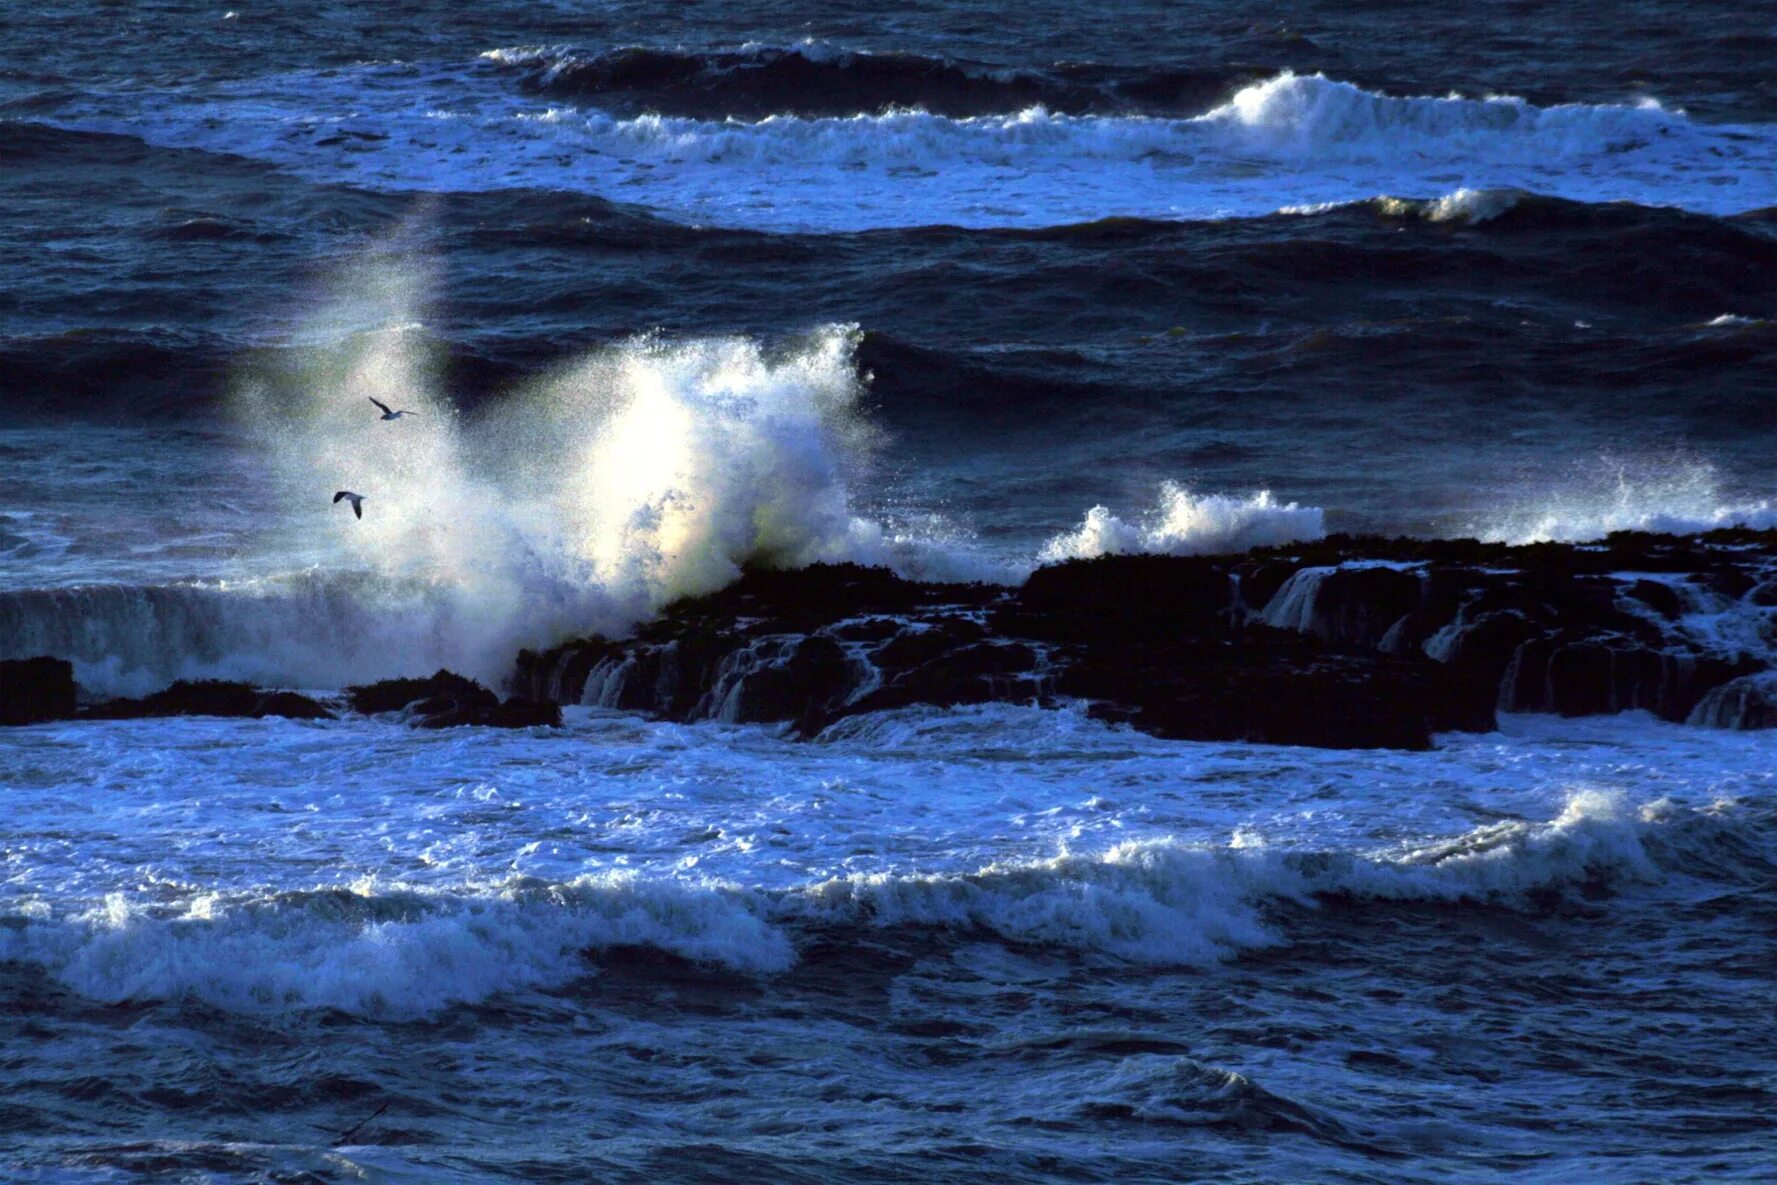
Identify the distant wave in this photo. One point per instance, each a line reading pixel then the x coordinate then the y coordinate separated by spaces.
pixel 805 139
pixel 1694 285
pixel 1313 115
pixel 396 953
pixel 1470 207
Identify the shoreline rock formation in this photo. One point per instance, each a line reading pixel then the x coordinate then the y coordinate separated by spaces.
pixel 1347 642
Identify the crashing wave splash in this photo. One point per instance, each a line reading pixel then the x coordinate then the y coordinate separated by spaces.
pixel 1678 495
pixel 1184 523
pixel 398 952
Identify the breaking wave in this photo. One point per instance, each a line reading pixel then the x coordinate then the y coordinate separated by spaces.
pixel 1470 207
pixel 395 952
pixel 1319 116
pixel 809 138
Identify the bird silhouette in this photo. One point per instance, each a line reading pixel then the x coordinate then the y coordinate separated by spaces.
pixel 387 413
pixel 357 501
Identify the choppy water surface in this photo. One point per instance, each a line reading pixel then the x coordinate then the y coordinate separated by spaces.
pixel 979 943
pixel 954 288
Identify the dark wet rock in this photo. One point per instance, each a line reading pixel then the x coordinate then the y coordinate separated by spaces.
pixel 1763 594
pixel 1122 598
pixel 1343 642
pixel 1747 702
pixel 394 695
pixel 201 697
pixel 36 689
pixel 447 700
pixel 1279 688
pixel 1662 598
pixel 1483 646
pixel 1359 606
pixel 787 678
pixel 211 697
pixel 974 673
pixel 291 706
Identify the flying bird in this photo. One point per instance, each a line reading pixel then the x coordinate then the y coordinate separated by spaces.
pixel 387 413
pixel 357 501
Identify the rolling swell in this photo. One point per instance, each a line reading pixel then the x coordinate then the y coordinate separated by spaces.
pixel 813 80
pixel 1670 294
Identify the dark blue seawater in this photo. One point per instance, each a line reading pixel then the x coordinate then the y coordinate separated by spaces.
pixel 955 287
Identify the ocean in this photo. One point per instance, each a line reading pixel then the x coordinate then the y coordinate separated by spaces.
pixel 676 291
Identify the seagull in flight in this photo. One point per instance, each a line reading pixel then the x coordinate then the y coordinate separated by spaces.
pixel 356 499
pixel 388 414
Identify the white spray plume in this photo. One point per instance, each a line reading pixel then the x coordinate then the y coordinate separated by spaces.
pixel 1679 493
pixel 646 471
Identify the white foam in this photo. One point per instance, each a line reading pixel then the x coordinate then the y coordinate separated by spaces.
pixel 1313 115
pixel 395 954
pixel 1468 206
pixel 1289 142
pixel 1149 902
pixel 398 953
pixel 388 872
pixel 1184 523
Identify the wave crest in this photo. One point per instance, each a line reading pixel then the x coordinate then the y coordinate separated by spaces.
pixel 1317 115
pixel 397 952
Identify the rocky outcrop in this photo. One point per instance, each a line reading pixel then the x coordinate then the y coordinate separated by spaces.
pixel 1747 702
pixel 446 700
pixel 1157 643
pixel 40 689
pixel 1345 642
pixel 1342 643
pixel 36 689
pixel 210 697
